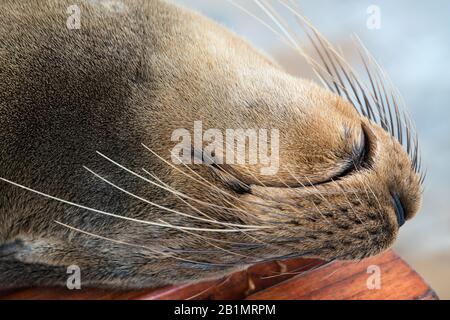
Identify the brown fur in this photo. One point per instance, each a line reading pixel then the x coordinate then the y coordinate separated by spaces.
pixel 133 76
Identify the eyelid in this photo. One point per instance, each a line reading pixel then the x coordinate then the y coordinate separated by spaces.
pixel 370 144
pixel 360 155
pixel 363 148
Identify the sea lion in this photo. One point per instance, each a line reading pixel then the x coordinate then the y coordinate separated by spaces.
pixel 87 178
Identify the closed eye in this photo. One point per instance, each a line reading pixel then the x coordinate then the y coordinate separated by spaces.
pixel 359 156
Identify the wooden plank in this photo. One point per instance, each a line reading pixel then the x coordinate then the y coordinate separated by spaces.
pixel 346 280
pixel 290 279
pixel 241 284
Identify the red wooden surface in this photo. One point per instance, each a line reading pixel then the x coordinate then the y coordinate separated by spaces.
pixel 291 279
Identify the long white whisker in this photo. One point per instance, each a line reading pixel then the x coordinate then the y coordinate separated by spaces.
pixel 165 208
pixel 314 193
pixel 277 22
pixel 118 216
pixel 264 23
pixel 206 183
pixel 383 93
pixel 351 205
pixel 318 69
pixel 166 255
pixel 208 241
pixel 159 185
pixel 187 197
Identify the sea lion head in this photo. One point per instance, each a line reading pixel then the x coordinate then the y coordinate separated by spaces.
pixel 297 169
pixel 347 173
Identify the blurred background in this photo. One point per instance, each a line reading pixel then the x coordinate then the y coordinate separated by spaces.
pixel 411 40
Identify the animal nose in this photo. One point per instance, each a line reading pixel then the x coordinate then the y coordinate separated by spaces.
pixel 399 209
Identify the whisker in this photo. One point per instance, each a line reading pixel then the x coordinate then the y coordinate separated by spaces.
pixel 362 96
pixel 383 94
pixel 208 184
pixel 118 216
pixel 166 255
pixel 268 195
pixel 318 195
pixel 293 272
pixel 351 205
pixel 168 209
pixel 160 186
pixel 315 194
pixel 216 285
pixel 277 22
pixel 318 267
pixel 258 19
pixel 206 239
pixel 180 196
pixel 205 182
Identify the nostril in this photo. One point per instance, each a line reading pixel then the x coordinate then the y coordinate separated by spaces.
pixel 399 209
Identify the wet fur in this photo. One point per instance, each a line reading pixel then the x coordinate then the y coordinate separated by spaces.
pixel 120 85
